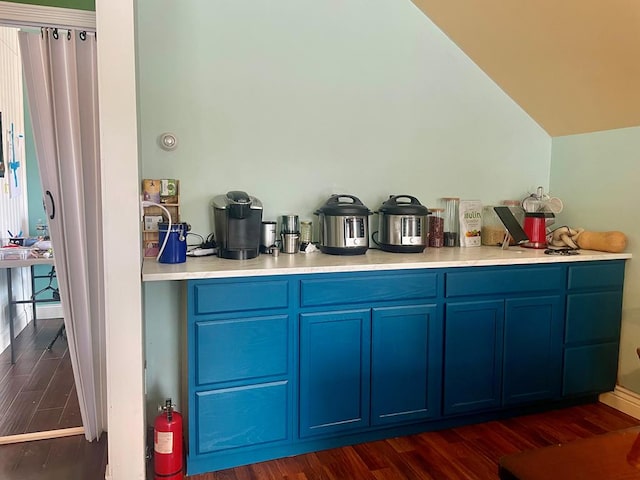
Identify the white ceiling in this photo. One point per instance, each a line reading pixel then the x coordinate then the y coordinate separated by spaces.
pixel 572 65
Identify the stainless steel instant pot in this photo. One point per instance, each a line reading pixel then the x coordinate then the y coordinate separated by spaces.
pixel 343 226
pixel 403 225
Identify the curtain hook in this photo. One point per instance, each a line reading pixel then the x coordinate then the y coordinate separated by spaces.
pixel 83 35
pixel 55 33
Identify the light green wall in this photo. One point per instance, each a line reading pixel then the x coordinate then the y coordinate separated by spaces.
pixel 77 4
pixel 297 99
pixel 34 191
pixel 597 176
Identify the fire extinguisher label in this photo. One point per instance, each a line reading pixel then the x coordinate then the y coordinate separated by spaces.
pixel 163 442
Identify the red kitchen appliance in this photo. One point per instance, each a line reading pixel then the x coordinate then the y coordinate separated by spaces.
pixel 540 210
pixel 535 226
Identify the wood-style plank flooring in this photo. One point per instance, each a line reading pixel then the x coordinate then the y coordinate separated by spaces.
pixel 68 458
pixel 37 393
pixel 464 453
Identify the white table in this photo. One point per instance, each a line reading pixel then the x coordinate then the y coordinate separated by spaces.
pixel 31 263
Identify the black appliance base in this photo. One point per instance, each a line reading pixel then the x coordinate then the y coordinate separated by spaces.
pixel 343 250
pixel 238 254
pixel 402 248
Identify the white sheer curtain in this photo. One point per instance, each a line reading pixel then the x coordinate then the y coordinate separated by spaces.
pixel 61 84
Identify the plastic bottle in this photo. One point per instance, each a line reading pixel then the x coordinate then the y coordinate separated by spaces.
pixel 451 221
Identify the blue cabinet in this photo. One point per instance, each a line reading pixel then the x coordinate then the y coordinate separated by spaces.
pixel 368 367
pixel 503 346
pixel 592 336
pixel 239 369
pixel 287 364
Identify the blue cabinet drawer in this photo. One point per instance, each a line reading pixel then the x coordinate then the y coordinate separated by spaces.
pixel 593 317
pixel 232 418
pixel 487 281
pixel 590 369
pixel 241 349
pixel 368 289
pixel 220 296
pixel 609 274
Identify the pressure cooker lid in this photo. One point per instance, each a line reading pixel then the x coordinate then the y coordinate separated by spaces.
pixel 343 204
pixel 403 205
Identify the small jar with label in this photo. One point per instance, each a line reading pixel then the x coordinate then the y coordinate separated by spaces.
pixel 436 228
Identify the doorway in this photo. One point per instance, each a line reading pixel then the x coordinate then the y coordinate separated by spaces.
pixel 38 390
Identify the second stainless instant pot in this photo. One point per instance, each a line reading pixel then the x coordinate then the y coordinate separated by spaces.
pixel 403 225
pixel 343 225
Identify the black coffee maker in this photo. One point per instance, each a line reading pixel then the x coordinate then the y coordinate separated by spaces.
pixel 237 218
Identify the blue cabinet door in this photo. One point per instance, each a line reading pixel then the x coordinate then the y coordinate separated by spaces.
pixel 532 362
pixel 473 355
pixel 334 371
pixel 406 365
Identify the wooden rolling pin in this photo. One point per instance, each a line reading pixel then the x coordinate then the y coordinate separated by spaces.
pixel 614 242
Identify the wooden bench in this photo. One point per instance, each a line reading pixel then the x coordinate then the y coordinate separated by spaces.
pixel 610 456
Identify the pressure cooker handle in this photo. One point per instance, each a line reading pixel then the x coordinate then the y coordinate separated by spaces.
pixel 412 200
pixel 337 199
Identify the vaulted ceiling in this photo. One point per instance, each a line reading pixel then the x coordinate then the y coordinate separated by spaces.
pixel 572 65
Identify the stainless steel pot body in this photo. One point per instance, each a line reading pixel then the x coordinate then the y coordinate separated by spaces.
pixel 403 229
pixel 343 234
pixel 403 233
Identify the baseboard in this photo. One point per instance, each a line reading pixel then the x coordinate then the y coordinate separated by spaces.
pixel 624 400
pixel 49 311
pixel 20 321
pixel 47 434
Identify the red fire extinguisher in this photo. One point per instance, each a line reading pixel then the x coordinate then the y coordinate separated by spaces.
pixel 167 444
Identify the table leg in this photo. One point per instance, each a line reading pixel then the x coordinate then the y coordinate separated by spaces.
pixel 33 291
pixel 10 298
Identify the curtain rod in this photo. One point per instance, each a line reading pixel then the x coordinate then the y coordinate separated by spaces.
pixel 24 15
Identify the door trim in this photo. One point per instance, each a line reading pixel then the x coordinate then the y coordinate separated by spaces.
pixel 24 15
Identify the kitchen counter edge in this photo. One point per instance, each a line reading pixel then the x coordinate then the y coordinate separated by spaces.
pixel 372 260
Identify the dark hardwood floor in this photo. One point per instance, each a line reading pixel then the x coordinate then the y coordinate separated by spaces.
pixel 68 458
pixel 466 453
pixel 37 393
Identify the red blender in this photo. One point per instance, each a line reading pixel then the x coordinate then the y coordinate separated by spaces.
pixel 539 213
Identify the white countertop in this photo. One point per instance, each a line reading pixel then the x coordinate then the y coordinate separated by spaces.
pixel 287 264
